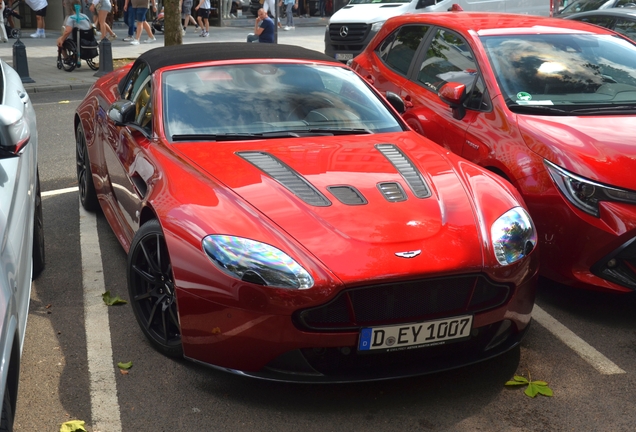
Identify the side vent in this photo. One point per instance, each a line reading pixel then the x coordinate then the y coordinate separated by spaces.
pixel 406 169
pixel 347 195
pixel 287 177
pixel 393 192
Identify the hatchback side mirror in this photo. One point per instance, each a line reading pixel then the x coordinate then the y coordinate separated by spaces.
pixel 14 130
pixel 454 94
pixel 395 101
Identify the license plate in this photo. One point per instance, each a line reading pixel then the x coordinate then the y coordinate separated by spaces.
pixel 340 56
pixel 409 336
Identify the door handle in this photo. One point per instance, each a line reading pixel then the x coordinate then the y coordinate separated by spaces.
pixel 407 102
pixel 370 79
pixel 24 96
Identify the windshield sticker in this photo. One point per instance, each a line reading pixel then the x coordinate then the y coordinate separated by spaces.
pixel 523 96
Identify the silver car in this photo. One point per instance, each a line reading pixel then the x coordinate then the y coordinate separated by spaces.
pixel 21 229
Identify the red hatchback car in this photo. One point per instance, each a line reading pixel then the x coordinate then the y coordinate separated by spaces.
pixel 282 221
pixel 548 104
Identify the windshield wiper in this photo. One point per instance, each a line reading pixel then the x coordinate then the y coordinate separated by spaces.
pixel 623 109
pixel 335 131
pixel 296 133
pixel 542 109
pixel 216 137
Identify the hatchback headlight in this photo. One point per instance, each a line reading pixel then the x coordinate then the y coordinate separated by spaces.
pixel 513 236
pixel 586 194
pixel 256 262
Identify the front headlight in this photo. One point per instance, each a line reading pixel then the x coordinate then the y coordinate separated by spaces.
pixel 513 236
pixel 586 194
pixel 375 27
pixel 256 262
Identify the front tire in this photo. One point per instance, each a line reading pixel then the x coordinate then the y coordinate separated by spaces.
pixel 151 289
pixel 6 424
pixel 38 233
pixel 88 196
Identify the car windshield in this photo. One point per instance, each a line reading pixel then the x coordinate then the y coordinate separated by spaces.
pixel 254 100
pixel 568 73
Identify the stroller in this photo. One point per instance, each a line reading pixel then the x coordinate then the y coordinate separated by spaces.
pixel 70 55
pixel 8 14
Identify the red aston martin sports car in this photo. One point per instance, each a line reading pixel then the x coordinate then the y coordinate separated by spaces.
pixel 548 104
pixel 281 220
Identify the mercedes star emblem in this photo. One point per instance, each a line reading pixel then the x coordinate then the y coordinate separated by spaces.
pixel 344 31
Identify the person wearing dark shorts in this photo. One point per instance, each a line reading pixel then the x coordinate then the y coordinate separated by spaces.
pixel 39 7
pixel 203 16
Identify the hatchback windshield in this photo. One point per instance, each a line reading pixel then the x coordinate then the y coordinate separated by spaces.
pixel 270 100
pixel 569 71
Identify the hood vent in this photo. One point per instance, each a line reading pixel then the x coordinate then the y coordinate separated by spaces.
pixel 347 195
pixel 286 176
pixel 406 169
pixel 393 192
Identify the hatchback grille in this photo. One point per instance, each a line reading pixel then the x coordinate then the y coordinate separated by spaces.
pixel 404 302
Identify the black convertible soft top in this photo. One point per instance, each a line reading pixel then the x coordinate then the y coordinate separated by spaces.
pixel 179 54
pixel 202 52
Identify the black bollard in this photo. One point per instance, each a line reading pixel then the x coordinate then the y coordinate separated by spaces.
pixel 105 58
pixel 20 61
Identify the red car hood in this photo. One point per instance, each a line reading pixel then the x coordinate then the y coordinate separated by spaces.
pixel 601 148
pixel 356 241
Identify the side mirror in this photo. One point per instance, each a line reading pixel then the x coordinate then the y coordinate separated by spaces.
pixel 454 94
pixel 395 101
pixel 14 130
pixel 122 112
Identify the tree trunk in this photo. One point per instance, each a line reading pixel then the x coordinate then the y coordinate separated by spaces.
pixel 172 23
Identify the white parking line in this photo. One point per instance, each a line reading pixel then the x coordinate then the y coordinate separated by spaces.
pixel 101 370
pixel 582 348
pixel 59 191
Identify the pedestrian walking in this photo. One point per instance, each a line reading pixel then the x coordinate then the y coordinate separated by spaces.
pixel 39 7
pixel 103 8
pixel 290 5
pixel 186 15
pixel 129 19
pixel 203 17
pixel 141 10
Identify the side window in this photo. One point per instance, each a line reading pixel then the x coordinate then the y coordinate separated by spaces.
pixel 135 80
pixel 398 49
pixel 602 21
pixel 478 98
pixel 626 28
pixel 143 104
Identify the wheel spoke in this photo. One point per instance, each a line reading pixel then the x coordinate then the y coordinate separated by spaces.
pixel 145 275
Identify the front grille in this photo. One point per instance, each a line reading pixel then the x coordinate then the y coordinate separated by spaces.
pixel 402 302
pixel 355 34
pixel 620 266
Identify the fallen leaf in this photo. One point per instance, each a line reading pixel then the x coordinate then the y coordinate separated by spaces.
pixel 72 426
pixel 48 306
pixel 123 372
pixel 64 102
pixel 112 301
pixel 124 366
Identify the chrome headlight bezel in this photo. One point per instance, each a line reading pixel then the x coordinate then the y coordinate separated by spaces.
pixel 376 26
pixel 255 262
pixel 586 194
pixel 513 236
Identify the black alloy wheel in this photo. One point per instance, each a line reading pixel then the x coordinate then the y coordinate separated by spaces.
pixel 69 55
pixel 88 196
pixel 152 290
pixel 38 232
